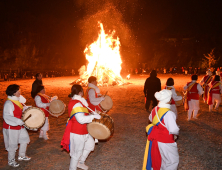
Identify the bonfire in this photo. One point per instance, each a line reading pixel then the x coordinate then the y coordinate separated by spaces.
pixel 104 61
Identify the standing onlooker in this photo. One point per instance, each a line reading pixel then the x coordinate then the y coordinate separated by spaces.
pixel 36 83
pixel 151 86
pixel 193 91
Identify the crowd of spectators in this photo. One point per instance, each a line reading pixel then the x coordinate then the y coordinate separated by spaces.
pixel 8 75
pixel 172 70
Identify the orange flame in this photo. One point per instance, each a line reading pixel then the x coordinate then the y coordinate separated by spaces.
pixel 104 59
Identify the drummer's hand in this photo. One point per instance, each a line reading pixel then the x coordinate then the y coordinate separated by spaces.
pixel 175 137
pixel 97 116
pixel 20 122
pixel 25 107
pixel 102 98
pixel 54 98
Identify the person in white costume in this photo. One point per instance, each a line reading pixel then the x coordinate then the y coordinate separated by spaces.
pixel 81 142
pixel 162 135
pixel 94 97
pixel 193 91
pixel 175 97
pixel 13 131
pixel 42 101
pixel 214 94
pixel 204 82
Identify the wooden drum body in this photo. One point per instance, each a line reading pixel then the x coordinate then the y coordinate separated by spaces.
pixel 101 128
pixel 56 108
pixel 179 102
pixel 34 118
pixel 106 104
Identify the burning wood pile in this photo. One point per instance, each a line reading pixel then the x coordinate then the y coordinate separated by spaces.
pixel 104 60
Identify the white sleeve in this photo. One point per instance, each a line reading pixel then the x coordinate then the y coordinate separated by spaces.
pixel 200 89
pixel 8 115
pixel 174 95
pixel 185 87
pixel 92 98
pixel 81 118
pixel 150 117
pixel 39 102
pixel 170 122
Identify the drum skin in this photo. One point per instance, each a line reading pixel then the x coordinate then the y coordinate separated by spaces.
pixel 106 104
pixel 36 120
pixel 56 108
pixel 179 102
pixel 101 128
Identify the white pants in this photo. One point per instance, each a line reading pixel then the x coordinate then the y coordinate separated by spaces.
pixel 169 155
pixel 45 127
pixel 80 147
pixel 193 108
pixel 14 137
pixel 215 98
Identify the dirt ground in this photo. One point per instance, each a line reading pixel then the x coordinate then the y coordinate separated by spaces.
pixel 199 142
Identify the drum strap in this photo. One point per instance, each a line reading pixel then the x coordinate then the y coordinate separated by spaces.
pixel 17 103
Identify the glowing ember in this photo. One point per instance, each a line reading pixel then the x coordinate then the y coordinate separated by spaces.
pixel 104 60
pixel 128 76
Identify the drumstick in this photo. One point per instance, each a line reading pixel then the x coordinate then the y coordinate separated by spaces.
pixel 91 110
pixel 106 93
pixel 28 117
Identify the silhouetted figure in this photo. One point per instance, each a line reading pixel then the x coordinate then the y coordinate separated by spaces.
pixel 152 85
pixel 36 84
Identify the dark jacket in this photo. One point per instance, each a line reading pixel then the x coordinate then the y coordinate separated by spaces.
pixel 35 85
pixel 151 86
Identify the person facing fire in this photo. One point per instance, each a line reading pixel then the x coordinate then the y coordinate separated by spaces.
pixel 193 91
pixel 94 97
pixel 151 86
pixel 161 149
pixel 13 130
pixel 175 97
pixel 215 89
pixel 76 138
pixel 205 81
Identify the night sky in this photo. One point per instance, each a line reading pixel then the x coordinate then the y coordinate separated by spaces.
pixel 65 27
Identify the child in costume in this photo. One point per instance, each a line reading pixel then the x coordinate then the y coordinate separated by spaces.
pixel 42 101
pixel 161 149
pixel 13 131
pixel 193 91
pixel 76 137
pixel 215 90
pixel 175 97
